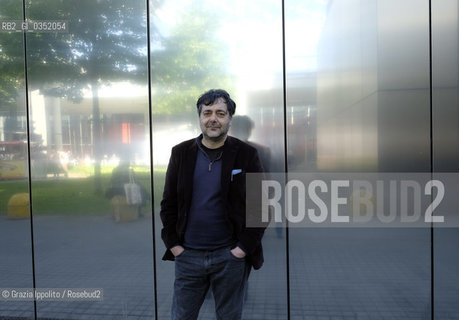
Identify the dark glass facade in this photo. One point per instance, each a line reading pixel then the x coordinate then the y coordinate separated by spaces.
pixel 320 86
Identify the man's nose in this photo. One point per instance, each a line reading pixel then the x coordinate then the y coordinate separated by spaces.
pixel 213 117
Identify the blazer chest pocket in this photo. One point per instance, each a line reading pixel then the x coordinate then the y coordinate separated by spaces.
pixel 237 175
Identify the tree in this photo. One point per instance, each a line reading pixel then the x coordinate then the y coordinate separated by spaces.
pixel 191 59
pixel 106 43
pixel 11 68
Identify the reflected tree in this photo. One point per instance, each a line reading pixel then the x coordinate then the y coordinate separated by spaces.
pixel 11 68
pixel 189 60
pixel 106 43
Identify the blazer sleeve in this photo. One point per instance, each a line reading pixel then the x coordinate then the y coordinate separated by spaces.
pixel 169 206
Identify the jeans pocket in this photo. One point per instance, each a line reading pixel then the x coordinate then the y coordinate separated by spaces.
pixel 181 254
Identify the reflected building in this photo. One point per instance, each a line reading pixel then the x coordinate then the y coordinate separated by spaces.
pixel 68 126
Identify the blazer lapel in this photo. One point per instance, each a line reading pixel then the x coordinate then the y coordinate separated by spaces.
pixel 228 160
pixel 188 172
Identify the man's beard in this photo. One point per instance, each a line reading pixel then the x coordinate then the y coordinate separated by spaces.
pixel 216 138
pixel 219 137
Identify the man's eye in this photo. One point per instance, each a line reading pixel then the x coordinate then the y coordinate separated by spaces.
pixel 221 114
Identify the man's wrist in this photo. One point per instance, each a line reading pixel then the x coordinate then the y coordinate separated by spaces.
pixel 239 244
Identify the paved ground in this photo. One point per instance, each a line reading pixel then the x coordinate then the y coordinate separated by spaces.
pixel 334 273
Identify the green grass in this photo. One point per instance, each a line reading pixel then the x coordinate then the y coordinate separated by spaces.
pixel 9 188
pixel 67 196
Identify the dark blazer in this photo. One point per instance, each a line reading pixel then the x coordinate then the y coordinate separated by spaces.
pixel 178 193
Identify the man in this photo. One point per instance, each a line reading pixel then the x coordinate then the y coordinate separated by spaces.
pixel 203 214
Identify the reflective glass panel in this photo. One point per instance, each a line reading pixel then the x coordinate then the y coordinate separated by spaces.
pixel 91 172
pixel 15 239
pixel 358 101
pixel 237 46
pixel 445 19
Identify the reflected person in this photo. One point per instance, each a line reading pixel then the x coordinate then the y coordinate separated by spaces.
pixel 241 128
pixel 121 175
pixel 203 214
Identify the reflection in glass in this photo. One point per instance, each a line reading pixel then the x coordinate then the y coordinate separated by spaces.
pixel 15 240
pixel 235 46
pixel 445 19
pixel 91 175
pixel 357 100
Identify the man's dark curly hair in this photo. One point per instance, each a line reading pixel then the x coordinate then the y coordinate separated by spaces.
pixel 208 98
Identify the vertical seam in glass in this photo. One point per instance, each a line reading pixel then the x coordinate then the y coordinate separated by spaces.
pixel 155 294
pixel 284 97
pixel 432 288
pixel 26 84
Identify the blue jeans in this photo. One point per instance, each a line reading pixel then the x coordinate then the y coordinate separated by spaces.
pixel 197 270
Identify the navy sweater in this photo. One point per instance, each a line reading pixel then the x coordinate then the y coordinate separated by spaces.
pixel 207 227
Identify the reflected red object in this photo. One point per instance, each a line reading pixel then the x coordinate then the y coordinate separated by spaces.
pixel 126 133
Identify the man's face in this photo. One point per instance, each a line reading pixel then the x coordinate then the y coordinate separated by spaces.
pixel 215 120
